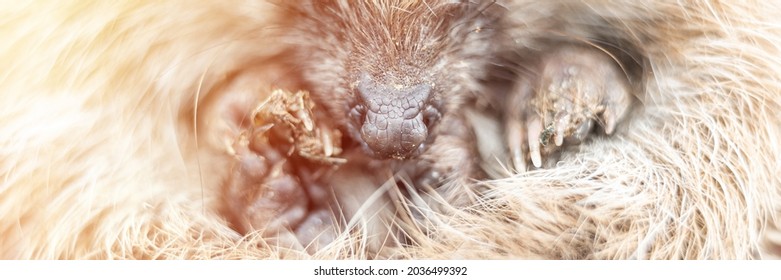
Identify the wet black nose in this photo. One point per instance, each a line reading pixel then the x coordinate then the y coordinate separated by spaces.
pixel 393 126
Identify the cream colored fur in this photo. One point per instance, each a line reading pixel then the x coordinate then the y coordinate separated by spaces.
pixel 111 140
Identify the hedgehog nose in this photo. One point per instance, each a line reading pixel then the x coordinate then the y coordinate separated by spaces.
pixel 393 126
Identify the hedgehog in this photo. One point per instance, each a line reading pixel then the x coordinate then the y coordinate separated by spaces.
pixel 562 130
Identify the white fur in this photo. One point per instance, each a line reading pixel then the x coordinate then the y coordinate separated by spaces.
pixel 99 157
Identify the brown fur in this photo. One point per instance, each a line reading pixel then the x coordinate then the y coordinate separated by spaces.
pixel 115 119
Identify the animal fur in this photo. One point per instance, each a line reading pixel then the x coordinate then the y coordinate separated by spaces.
pixel 114 117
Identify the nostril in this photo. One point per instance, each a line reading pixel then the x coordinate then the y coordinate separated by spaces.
pixel 357 113
pixel 430 115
